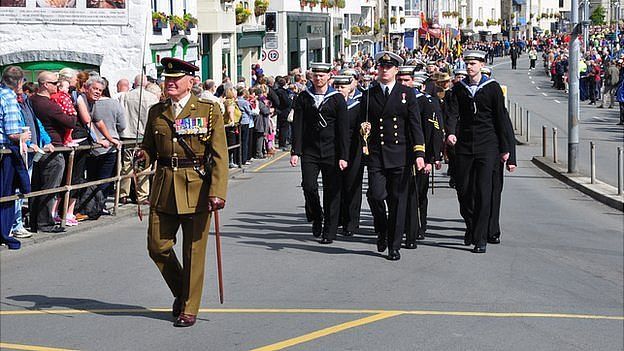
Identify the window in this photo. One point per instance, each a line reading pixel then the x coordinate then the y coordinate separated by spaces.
pixel 480 13
pixel 493 14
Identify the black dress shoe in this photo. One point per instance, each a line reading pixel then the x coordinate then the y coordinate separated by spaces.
pixel 185 320
pixel 382 244
pixel 394 255
pixel 410 246
pixel 176 309
pixel 479 249
pixel 420 236
pixel 347 233
pixel 317 228
pixel 325 241
pixel 494 240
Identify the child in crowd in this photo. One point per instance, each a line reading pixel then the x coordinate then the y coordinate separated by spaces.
pixel 64 100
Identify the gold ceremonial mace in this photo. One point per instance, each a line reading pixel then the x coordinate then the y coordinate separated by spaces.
pixel 219 264
pixel 365 127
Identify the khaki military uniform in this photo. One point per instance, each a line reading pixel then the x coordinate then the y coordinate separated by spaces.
pixel 179 195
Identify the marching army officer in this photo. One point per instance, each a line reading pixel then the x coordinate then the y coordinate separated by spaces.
pixel 187 138
pixel 478 121
pixel 392 130
pixel 321 139
pixel 430 112
pixel 351 194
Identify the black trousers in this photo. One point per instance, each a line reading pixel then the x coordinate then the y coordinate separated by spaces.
pixel 330 211
pixel 513 63
pixel 417 202
pixel 494 230
pixel 474 191
pixel 351 194
pixel 47 174
pixel 388 187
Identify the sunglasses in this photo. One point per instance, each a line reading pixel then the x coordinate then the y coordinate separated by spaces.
pixel 53 83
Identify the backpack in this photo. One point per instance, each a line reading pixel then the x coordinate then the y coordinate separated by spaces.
pixel 92 202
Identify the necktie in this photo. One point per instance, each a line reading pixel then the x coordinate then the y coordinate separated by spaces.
pixel 177 108
pixel 387 92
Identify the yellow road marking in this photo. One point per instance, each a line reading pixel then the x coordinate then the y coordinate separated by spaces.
pixel 271 162
pixel 4 345
pixel 320 311
pixel 327 331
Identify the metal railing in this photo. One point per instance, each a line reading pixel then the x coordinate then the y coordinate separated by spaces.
pixel 66 189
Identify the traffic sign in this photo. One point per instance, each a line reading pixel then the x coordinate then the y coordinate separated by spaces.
pixel 264 55
pixel 273 55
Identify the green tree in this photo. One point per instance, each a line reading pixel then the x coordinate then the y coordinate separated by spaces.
pixel 598 16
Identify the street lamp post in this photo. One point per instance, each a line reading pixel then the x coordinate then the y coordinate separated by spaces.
pixel 573 90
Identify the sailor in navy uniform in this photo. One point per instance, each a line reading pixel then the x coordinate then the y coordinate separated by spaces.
pixel 477 114
pixel 389 116
pixel 321 139
pixel 417 203
pixel 351 194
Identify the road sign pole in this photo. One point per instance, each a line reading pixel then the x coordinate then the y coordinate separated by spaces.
pixel 573 91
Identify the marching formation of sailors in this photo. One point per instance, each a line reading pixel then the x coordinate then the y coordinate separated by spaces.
pixel 400 127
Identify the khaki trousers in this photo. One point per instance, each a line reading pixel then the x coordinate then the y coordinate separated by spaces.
pixel 142 188
pixel 187 280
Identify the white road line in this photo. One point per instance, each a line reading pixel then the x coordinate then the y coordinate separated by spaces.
pixel 601 119
pixel 557 101
pixel 538 88
pixel 544 94
pixel 532 82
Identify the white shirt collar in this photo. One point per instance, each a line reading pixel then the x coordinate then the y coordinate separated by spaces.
pixel 389 85
pixel 182 103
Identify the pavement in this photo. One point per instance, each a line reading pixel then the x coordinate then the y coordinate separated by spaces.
pixel 555 282
pixel 532 90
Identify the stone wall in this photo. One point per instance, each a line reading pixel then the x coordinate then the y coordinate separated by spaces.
pixel 119 49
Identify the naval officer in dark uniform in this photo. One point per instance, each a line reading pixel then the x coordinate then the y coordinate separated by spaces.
pixel 418 185
pixel 477 114
pixel 351 194
pixel 321 140
pixel 390 119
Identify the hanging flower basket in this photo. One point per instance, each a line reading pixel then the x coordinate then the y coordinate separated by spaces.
pixel 260 7
pixel 402 20
pixel 393 20
pixel 242 14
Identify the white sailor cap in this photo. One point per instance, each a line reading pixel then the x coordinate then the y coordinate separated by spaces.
pixel 406 70
pixel 474 55
pixel 342 80
pixel 460 72
pixel 487 71
pixel 350 72
pixel 320 67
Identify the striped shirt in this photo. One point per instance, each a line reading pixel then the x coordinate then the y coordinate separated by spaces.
pixel 10 114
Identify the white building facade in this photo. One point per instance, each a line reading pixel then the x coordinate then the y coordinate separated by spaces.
pixel 306 31
pixel 88 36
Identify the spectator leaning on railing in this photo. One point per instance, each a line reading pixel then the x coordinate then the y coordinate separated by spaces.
pixel 11 135
pixel 39 143
pixel 48 170
pixel 101 164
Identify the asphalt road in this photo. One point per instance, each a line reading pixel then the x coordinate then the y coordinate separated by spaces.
pixel 555 282
pixel 533 91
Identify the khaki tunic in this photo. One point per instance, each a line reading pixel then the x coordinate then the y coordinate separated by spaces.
pixel 183 191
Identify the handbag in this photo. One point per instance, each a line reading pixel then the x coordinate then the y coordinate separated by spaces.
pixel 291 115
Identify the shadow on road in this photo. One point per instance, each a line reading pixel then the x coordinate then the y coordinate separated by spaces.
pixel 270 229
pixel 42 302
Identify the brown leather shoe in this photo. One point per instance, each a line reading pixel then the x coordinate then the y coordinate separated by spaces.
pixel 176 309
pixel 185 320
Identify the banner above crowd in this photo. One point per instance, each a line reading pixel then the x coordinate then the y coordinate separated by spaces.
pixel 103 12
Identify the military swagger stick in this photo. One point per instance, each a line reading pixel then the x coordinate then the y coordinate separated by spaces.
pixel 219 265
